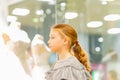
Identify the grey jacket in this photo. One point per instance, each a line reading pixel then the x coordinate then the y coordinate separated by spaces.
pixel 69 69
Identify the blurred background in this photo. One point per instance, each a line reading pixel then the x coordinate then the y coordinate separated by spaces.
pixel 96 21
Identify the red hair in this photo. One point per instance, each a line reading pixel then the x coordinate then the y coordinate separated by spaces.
pixel 79 52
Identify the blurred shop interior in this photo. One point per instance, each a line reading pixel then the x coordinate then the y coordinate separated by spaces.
pixel 96 21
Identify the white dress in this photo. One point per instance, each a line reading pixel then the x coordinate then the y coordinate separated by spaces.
pixel 10 67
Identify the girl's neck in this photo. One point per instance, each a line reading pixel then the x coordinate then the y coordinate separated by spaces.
pixel 64 55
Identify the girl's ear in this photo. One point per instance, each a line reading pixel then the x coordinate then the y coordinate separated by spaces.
pixel 66 41
pixel 5 37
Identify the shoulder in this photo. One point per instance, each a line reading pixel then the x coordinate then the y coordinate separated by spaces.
pixel 70 62
pixel 70 68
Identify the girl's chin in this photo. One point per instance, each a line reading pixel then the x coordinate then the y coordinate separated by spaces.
pixel 52 50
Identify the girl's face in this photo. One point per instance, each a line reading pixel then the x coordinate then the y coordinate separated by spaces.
pixel 56 42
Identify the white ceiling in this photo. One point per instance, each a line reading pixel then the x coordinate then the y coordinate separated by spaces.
pixel 12 2
pixel 88 10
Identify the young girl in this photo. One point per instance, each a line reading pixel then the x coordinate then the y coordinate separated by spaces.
pixel 73 62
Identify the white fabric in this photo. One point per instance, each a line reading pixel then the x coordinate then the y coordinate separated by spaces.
pixel 10 67
pixel 38 72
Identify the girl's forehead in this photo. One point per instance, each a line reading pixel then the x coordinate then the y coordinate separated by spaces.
pixel 53 32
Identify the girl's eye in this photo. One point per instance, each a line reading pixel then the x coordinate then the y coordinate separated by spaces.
pixel 52 37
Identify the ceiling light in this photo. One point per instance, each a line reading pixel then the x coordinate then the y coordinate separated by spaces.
pixel 11 18
pixel 20 11
pixel 44 0
pixel 100 39
pixel 112 17
pixel 107 0
pixel 51 2
pixel 39 12
pixel 114 31
pixel 94 24
pixel 104 2
pixel 63 4
pixel 97 49
pixel 71 15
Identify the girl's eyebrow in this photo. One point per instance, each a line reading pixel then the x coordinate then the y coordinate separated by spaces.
pixel 51 34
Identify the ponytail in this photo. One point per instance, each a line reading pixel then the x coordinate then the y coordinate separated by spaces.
pixel 81 55
pixel 70 33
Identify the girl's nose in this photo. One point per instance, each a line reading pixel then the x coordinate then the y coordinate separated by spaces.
pixel 48 41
